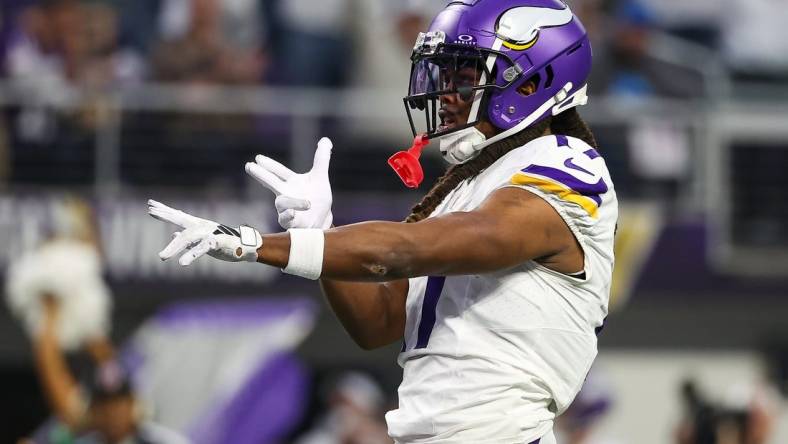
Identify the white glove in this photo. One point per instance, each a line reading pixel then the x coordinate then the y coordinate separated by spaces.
pixel 302 200
pixel 202 236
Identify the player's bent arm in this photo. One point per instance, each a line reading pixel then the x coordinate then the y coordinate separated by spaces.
pixel 510 227
pixel 372 313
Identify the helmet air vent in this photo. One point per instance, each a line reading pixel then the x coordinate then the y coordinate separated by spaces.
pixel 574 48
pixel 550 75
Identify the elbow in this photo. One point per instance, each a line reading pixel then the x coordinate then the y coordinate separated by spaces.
pixel 366 342
pixel 367 345
pixel 372 334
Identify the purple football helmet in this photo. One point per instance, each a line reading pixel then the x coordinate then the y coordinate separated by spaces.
pixel 508 42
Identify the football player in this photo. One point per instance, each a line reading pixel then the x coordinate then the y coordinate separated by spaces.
pixel 498 281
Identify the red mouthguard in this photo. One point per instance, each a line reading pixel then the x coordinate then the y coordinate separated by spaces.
pixel 406 163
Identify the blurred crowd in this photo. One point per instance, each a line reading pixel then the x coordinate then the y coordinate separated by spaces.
pixel 102 43
pixel 106 43
pixel 643 49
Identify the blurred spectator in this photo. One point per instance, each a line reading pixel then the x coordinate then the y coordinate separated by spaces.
pixel 317 49
pixel 9 10
pixel 66 266
pixel 755 39
pixel 746 415
pixel 37 48
pixel 58 293
pixel 138 24
pixel 593 14
pixel 697 21
pixel 61 42
pixel 210 41
pixel 386 33
pixel 109 414
pixel 354 413
pixel 653 154
pixel 628 68
pixel 56 44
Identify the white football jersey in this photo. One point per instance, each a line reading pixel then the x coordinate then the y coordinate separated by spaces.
pixel 493 358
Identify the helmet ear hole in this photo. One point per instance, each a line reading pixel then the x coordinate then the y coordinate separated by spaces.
pixel 530 86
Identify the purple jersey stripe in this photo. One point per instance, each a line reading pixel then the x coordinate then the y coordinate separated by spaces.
pixel 561 140
pixel 592 154
pixel 590 190
pixel 431 295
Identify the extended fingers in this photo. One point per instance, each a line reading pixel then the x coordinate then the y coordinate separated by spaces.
pixel 265 177
pixel 168 214
pixel 275 167
pixel 322 155
pixel 164 213
pixel 205 245
pixel 180 242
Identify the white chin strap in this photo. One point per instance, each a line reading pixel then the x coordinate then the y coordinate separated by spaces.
pixel 462 146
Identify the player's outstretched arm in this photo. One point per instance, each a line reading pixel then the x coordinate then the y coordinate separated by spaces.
pixel 510 227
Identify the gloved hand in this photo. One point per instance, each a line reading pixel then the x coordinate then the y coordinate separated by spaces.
pixel 200 236
pixel 302 200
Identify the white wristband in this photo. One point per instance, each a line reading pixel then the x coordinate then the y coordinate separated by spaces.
pixel 306 252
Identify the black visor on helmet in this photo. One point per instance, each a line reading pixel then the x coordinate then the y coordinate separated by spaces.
pixel 448 69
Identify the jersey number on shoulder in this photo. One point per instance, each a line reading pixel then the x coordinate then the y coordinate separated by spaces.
pixel 429 304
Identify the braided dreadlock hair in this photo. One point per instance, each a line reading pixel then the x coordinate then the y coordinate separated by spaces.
pixel 567 123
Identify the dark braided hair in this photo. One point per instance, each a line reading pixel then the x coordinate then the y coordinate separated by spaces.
pixel 567 123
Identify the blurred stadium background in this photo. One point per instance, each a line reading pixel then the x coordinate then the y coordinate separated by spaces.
pixel 114 101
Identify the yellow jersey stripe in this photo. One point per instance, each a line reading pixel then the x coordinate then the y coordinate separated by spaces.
pixel 559 190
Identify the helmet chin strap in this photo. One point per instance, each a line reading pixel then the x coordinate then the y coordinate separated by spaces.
pixel 465 144
pixel 460 147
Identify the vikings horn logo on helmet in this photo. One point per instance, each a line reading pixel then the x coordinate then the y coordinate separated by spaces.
pixel 519 27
